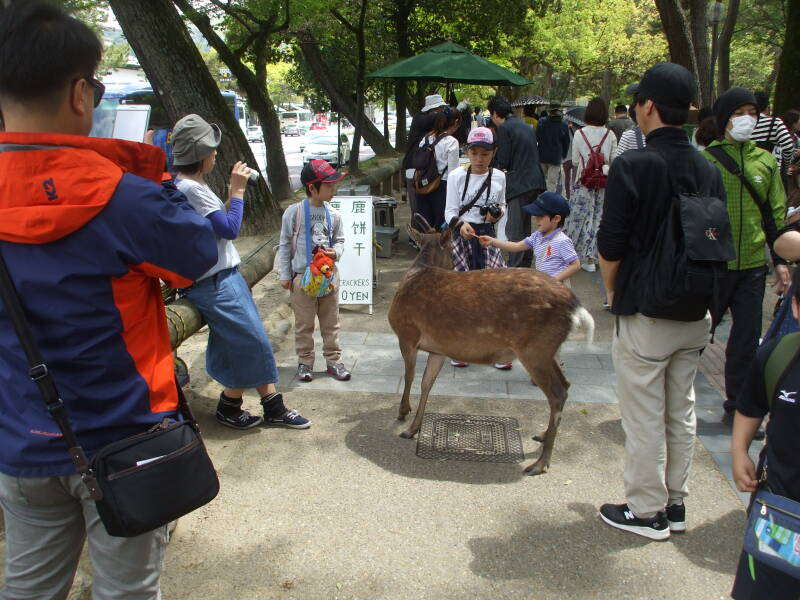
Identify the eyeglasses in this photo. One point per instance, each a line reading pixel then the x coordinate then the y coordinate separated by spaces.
pixel 97 88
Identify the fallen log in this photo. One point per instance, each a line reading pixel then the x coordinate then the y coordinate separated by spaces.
pixel 183 318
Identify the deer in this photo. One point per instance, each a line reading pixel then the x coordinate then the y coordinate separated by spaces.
pixel 484 317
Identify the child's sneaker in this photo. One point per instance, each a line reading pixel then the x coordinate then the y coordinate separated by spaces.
pixel 291 418
pixel 622 517
pixel 459 363
pixel 304 373
pixel 676 517
pixel 241 420
pixel 503 366
pixel 339 372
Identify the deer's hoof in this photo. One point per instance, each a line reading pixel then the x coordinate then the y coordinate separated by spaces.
pixel 539 438
pixel 535 469
pixel 401 416
pixel 407 435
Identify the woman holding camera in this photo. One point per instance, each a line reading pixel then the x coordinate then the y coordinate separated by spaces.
pixel 239 355
pixel 476 200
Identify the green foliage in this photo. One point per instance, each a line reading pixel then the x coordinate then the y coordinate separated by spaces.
pixel 757 43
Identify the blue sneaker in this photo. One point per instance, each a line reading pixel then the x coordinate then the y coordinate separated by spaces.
pixel 241 420
pixel 291 419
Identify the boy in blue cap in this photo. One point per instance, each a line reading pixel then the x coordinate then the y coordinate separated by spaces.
pixel 554 252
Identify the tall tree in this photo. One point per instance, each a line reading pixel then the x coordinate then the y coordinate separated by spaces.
pixel 185 86
pixel 255 26
pixel 724 43
pixel 357 29
pixel 340 97
pixel 787 88
pixel 677 32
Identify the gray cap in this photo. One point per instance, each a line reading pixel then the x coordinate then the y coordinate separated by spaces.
pixel 193 139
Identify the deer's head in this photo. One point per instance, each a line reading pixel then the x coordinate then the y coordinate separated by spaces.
pixel 436 248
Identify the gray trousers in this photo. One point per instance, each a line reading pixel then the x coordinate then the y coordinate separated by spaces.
pixel 47 520
pixel 655 361
pixel 518 227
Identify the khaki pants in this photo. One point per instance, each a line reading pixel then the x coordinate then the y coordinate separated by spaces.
pixel 305 309
pixel 47 521
pixel 551 173
pixel 655 361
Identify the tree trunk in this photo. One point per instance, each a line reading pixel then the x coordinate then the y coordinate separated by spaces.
pixel 787 87
pixel 179 76
pixel 361 44
pixel 340 98
pixel 725 37
pixel 254 86
pixel 673 21
pixel 699 29
pixel 403 10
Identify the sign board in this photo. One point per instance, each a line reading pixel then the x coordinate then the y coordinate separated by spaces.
pixel 131 121
pixel 356 264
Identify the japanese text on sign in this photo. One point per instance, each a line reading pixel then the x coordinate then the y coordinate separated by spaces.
pixel 355 266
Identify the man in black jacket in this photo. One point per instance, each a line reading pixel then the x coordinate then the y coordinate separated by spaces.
pixel 518 156
pixel 655 356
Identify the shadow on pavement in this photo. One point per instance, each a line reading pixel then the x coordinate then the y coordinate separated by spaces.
pixel 542 548
pixel 375 436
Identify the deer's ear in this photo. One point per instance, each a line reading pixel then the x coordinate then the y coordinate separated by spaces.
pixel 413 234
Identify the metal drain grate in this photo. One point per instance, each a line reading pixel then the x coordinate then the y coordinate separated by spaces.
pixel 470 437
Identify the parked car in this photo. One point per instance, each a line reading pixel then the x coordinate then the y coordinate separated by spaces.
pixel 318 126
pixel 291 129
pixel 254 134
pixel 324 146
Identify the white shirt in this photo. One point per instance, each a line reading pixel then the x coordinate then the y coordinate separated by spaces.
pixel 446 152
pixel 593 133
pixel 455 189
pixel 205 202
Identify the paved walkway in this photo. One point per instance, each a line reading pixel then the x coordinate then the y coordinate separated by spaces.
pixel 377 367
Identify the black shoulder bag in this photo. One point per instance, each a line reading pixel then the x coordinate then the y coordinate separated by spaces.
pixel 138 483
pixel 767 220
pixel 486 186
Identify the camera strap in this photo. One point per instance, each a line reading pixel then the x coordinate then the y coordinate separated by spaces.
pixel 487 185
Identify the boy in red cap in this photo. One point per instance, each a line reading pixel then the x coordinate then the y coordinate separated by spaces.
pixel 310 224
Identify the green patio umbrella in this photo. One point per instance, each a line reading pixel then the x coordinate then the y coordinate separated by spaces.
pixel 449 62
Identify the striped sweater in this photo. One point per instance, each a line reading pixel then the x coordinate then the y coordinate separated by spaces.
pixel 772 130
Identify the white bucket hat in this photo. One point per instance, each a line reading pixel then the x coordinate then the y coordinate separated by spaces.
pixel 433 101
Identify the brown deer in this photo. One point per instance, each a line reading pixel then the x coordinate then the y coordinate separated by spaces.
pixel 485 317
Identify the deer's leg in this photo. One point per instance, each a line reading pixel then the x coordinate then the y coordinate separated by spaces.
pixel 552 382
pixel 409 352
pixel 432 368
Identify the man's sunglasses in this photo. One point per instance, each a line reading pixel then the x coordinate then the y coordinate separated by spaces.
pixel 97 88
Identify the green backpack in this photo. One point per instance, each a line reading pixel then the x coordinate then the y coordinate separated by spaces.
pixel 785 352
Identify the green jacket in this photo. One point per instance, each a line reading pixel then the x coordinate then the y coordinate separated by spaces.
pixel 761 169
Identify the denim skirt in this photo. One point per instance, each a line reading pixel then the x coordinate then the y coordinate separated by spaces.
pixel 239 354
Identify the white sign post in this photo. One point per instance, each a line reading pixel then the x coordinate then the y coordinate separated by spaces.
pixel 356 264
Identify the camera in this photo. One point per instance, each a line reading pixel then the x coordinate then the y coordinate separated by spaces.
pixel 492 209
pixel 254 175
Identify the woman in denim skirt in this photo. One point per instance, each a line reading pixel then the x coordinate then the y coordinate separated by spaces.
pixel 239 355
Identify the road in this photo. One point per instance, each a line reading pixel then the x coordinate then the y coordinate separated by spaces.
pixel 294 158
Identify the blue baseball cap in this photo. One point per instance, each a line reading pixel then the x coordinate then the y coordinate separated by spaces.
pixel 548 203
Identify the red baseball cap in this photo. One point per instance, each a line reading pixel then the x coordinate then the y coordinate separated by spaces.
pixel 319 171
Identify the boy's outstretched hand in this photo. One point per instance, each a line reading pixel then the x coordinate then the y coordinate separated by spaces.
pixel 486 240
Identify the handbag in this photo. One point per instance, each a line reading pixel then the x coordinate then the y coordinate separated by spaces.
pixel 138 483
pixel 772 535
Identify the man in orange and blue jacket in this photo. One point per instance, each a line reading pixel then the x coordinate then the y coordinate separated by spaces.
pixel 87 231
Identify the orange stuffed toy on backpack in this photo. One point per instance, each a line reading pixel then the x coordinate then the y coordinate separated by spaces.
pixel 322 264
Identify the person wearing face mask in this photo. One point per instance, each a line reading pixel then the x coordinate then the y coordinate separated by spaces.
pixel 756 210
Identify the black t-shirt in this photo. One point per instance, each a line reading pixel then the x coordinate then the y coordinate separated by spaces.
pixel 783 430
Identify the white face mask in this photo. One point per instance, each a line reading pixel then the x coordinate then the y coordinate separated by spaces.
pixel 742 127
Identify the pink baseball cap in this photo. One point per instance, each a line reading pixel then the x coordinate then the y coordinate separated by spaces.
pixel 481 136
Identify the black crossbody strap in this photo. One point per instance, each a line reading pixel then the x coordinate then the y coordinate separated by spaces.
pixel 41 376
pixel 767 220
pixel 487 185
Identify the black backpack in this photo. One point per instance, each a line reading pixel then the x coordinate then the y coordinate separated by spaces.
pixel 689 255
pixel 426 174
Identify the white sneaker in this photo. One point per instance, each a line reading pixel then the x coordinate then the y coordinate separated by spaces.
pixel 503 366
pixel 588 267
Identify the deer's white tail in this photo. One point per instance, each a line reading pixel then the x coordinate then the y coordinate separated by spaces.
pixel 582 318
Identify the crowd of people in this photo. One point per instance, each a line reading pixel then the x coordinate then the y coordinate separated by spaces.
pixel 100 222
